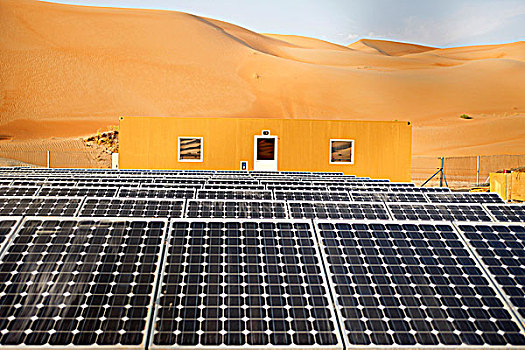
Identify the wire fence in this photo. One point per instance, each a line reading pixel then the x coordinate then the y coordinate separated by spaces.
pixel 459 171
pixel 53 159
pixel 463 171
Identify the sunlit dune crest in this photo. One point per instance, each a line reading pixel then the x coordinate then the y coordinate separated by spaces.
pixel 66 71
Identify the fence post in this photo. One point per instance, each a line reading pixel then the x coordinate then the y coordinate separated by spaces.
pixel 48 159
pixel 442 172
pixel 505 172
pixel 477 172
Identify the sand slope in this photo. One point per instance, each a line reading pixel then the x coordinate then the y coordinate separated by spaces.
pixel 67 71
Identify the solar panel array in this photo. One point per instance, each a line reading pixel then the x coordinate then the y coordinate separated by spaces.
pixel 146 259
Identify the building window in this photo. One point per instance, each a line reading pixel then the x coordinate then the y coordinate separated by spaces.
pixel 190 149
pixel 341 151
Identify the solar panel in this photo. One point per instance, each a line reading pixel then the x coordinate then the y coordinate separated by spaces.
pixel 171 185
pixel 404 197
pixel 308 188
pixel 312 196
pixel 78 191
pixel 234 194
pixel 464 197
pixel 162 192
pixel 419 189
pixel 129 207
pixel 233 187
pixel 8 224
pixel 50 183
pixel 501 248
pixel 338 210
pixel 364 196
pixel 439 212
pixel 233 181
pixel 284 182
pixel 19 190
pixel 406 284
pixel 107 184
pixel 507 212
pixel 351 188
pixel 181 181
pixel 40 206
pixel 243 283
pixel 400 184
pixel 68 282
pixel 210 208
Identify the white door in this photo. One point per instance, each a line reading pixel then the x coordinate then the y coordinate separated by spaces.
pixel 265 153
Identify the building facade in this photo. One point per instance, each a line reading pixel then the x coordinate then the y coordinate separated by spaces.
pixel 363 148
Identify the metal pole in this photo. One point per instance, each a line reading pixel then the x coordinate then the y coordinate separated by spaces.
pixel 477 174
pixel 442 173
pixel 48 159
pixel 505 172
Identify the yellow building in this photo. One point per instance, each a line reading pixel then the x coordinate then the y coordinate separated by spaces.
pixel 362 148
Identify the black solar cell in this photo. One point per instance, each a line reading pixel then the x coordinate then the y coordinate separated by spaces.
pixel 338 210
pixel 233 283
pixel 312 195
pixel 412 284
pixel 19 190
pixel 439 212
pixel 234 194
pixel 40 206
pixel 132 207
pixel 161 192
pixel 8 225
pixel 78 191
pixel 501 248
pixel 464 197
pixel 79 282
pixel 507 212
pixel 251 209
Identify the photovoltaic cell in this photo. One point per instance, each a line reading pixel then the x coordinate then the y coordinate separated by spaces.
pixel 232 182
pixel 40 206
pixel 438 212
pixel 8 225
pixel 338 210
pixel 420 189
pixel 234 194
pixel 233 187
pixel 363 196
pixel 132 207
pixel 250 209
pixel 241 283
pixel 18 190
pixel 507 212
pixel 464 197
pixel 404 197
pixel 73 282
pixel 312 196
pixel 501 248
pixel 351 188
pixel 78 191
pixel 412 284
pixel 308 188
pixel 163 192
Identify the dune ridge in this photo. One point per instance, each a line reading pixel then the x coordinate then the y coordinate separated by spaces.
pixel 80 68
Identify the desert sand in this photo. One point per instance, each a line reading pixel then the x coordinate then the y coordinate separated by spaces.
pixel 68 71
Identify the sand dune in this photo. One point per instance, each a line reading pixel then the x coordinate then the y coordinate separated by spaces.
pixel 66 71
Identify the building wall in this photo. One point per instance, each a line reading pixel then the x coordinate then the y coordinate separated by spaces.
pixel 381 149
pixel 515 184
